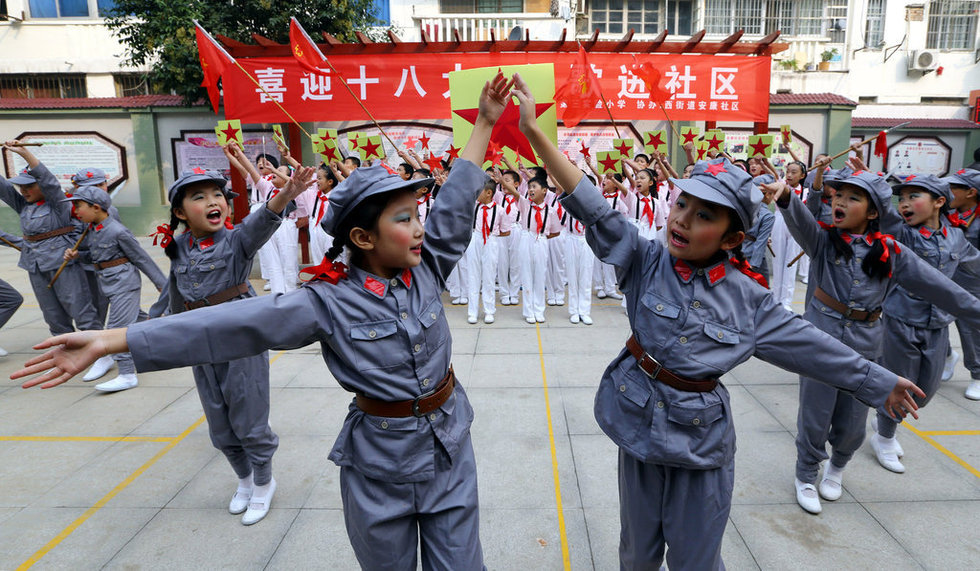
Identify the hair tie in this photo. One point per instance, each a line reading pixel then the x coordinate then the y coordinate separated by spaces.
pixel 886 253
pixel 164 234
pixel 327 270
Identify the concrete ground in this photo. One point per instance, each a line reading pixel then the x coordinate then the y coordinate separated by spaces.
pixel 130 480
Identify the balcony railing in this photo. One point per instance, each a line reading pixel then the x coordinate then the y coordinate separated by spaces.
pixel 476 27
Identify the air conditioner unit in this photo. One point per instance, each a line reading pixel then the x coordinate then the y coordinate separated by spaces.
pixel 923 60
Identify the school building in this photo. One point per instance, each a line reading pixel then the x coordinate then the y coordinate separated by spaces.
pixel 850 69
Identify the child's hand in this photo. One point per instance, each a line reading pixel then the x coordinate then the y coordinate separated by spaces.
pixel 15 146
pixel 283 149
pixel 299 182
pixel 901 402
pixel 688 146
pixel 529 117
pixel 70 254
pixel 773 191
pixel 69 355
pixel 494 97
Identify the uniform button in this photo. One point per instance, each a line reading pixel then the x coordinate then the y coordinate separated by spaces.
pixel 404 315
pixel 372 334
pixel 696 421
pixel 837 261
pixel 700 272
pixel 417 347
pixel 720 335
pixel 622 388
pixel 696 304
pixel 660 404
pixel 384 424
pixel 212 266
pixel 432 416
pixel 197 285
pixel 193 262
pixel 660 307
pixel 856 282
pixel 425 382
pixel 858 259
pixel 847 324
pixel 432 316
pixel 683 340
pixel 394 282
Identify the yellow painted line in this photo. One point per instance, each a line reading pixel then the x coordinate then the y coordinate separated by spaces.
pixel 951 432
pixel 278 354
pixel 85 438
pixel 554 457
pixel 105 499
pixel 925 436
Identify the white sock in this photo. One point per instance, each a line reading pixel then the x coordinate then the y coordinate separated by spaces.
pixel 245 484
pixel 832 471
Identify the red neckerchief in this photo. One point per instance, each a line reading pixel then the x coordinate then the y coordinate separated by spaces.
pixel 98 228
pixel 321 208
pixel 164 234
pixel 327 271
pixel 746 268
pixel 229 224
pixel 647 210
pixel 203 244
pixel 537 217
pixel 486 230
pixel 578 227
pixel 509 200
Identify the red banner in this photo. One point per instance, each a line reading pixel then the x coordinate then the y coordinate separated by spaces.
pixel 416 86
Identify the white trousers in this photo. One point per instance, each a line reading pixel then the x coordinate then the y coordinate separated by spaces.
pixel 458 278
pixel 320 242
pixel 481 262
pixel 785 248
pixel 579 261
pixel 508 263
pixel 283 257
pixel 534 269
pixel 557 279
pixel 605 277
pixel 265 256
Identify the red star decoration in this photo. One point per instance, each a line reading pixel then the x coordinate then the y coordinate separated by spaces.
pixel 494 153
pixel 855 173
pixel 353 143
pixel 411 142
pixel 714 168
pixel 199 170
pixel 689 137
pixel 231 133
pixel 961 171
pixel 331 152
pixel 433 162
pixel 655 140
pixel 89 174
pixel 609 163
pixel 424 140
pixel 585 151
pixel 371 150
pixel 624 149
pixel 908 178
pixel 759 148
pixel 714 143
pixel 453 152
pixel 505 131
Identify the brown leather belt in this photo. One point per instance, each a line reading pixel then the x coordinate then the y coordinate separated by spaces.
pixel 656 371
pixel 110 263
pixel 504 234
pixel 417 407
pixel 847 312
pixel 220 297
pixel 45 235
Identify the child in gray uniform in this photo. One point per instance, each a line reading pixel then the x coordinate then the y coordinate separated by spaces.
pixel 117 259
pixel 407 465
pixel 694 317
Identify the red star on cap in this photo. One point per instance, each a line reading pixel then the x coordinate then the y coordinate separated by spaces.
pixel 655 140
pixel 453 152
pixel 584 150
pixel 424 140
pixel 855 173
pixel 910 177
pixel 759 148
pixel 371 150
pixel 199 170
pixel 231 133
pixel 624 149
pixel 609 163
pixel 89 174
pixel 961 171
pixel 714 143
pixel 715 168
pixel 505 131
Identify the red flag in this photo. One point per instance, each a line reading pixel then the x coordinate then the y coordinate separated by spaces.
pixel 304 49
pixel 579 93
pixel 214 61
pixel 651 78
pixel 881 145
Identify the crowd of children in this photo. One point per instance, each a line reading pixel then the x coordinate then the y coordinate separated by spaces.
pixel 705 264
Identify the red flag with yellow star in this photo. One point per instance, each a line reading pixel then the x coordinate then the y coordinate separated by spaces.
pixel 506 138
pixel 214 61
pixel 578 96
pixel 306 52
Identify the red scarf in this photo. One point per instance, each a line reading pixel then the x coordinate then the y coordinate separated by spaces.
pixel 327 270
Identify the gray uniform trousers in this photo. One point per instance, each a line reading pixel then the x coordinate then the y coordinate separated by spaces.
pixel 826 415
pixel 69 297
pixel 10 300
pixel 915 353
pixel 125 311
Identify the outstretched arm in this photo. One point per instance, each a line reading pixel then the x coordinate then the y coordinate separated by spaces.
pixel 564 172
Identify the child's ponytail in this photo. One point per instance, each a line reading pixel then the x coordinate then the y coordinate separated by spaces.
pixel 171 248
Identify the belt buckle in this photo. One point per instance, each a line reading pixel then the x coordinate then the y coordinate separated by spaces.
pixel 848 313
pixel 417 400
pixel 656 362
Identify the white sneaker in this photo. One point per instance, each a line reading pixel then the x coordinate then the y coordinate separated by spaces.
pixel 471 320
pixel 531 320
pixel 120 383
pixel 806 496
pixel 488 318
pixel 99 368
pixel 886 453
pixel 550 302
pixel 973 391
pixel 258 505
pixel 574 319
pixel 615 295
pixel 464 300
pixel 830 486
pixel 239 502
pixel 3 352
pixel 950 365
pixel 586 319
pixel 539 318
pixel 601 294
pixel 457 301
pixel 266 286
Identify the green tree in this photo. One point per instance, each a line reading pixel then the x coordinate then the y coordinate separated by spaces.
pixel 160 33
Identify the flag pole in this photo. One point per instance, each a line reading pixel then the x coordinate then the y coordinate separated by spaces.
pixel 605 103
pixel 358 100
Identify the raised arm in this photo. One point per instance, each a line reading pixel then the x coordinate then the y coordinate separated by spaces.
pixel 138 256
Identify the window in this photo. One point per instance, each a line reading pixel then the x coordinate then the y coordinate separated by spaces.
pixel 480 6
pixel 381 11
pixel 34 86
pixel 69 8
pixel 679 17
pixel 760 17
pixel 874 28
pixel 616 16
pixel 727 16
pixel 129 84
pixel 952 24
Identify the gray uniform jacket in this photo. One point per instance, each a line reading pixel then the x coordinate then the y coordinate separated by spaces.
pixel 755 250
pixel 386 339
pixel 45 215
pixel 110 240
pixel 845 281
pixel 699 323
pixel 945 249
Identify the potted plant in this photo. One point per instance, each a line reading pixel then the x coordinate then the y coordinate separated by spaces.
pixel 825 58
pixel 789 64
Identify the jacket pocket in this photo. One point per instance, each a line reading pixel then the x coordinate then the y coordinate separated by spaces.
pixel 374 344
pixel 435 329
pixel 698 434
pixel 621 407
pixel 719 349
pixel 658 317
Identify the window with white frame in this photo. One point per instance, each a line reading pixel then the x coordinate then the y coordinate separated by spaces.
pixel 480 6
pixel 617 16
pixel 952 24
pixel 680 17
pixel 69 8
pixel 874 27
pixel 757 17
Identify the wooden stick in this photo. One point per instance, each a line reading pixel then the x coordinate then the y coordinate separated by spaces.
pixel 358 100
pixel 26 145
pixel 273 99
pixel 794 260
pixel 9 243
pixel 65 263
pixel 862 143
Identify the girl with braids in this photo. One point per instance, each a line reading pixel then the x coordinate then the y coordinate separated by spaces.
pixel 855 267
pixel 407 470
pixel 784 248
pixel 694 316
